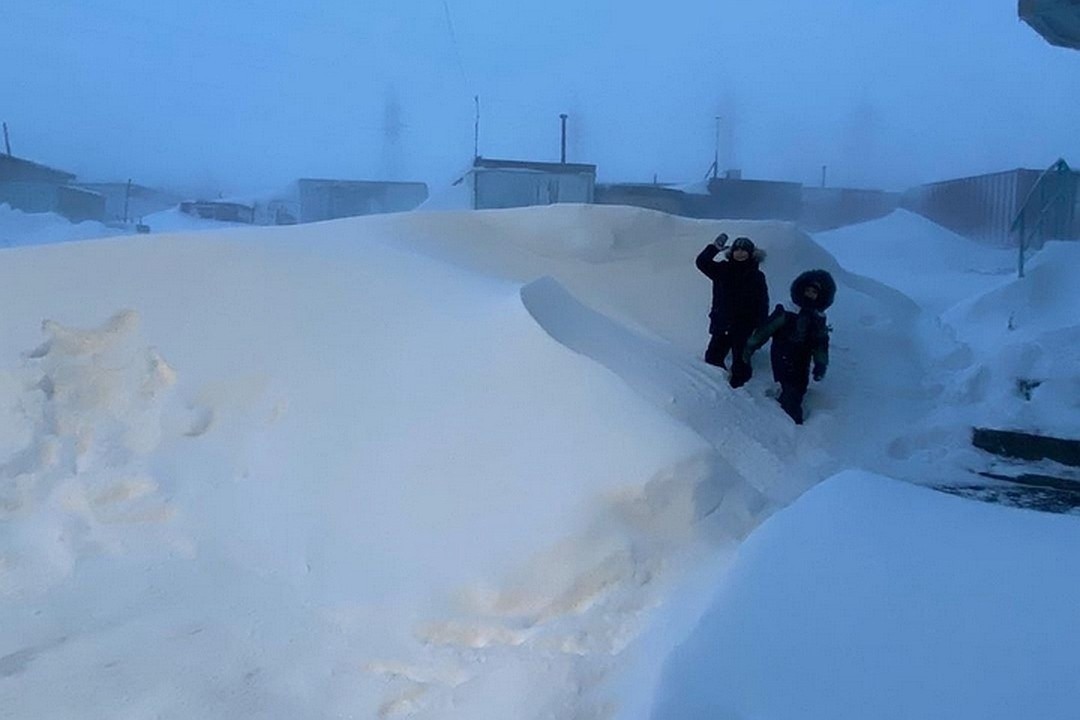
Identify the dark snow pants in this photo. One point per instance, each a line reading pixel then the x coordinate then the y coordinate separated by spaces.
pixel 791 368
pixel 733 341
pixel 791 397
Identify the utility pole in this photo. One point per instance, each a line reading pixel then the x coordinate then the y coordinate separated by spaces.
pixel 562 153
pixel 716 150
pixel 823 168
pixel 476 129
pixel 7 141
pixel 127 197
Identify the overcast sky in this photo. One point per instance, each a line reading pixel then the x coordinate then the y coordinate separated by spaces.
pixel 241 96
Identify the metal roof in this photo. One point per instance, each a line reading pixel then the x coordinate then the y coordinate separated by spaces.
pixel 490 164
pixel 19 168
pixel 1058 21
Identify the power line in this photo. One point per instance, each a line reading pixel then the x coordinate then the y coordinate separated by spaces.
pixel 454 42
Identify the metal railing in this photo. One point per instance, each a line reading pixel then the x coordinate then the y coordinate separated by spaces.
pixel 1048 212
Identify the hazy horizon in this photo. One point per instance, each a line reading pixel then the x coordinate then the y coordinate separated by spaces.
pixel 240 99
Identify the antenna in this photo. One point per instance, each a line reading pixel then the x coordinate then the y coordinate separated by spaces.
pixel 562 152
pixel 716 150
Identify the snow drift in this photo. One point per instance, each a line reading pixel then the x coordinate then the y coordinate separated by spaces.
pixel 308 470
pixel 873 598
pixel 440 465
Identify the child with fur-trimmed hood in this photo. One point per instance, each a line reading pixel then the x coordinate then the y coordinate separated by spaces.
pixel 798 339
pixel 740 301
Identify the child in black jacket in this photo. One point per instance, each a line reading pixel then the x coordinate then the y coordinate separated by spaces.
pixel 740 301
pixel 798 339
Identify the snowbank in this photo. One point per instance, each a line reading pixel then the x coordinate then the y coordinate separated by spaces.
pixel 444 464
pixel 930 264
pixel 636 268
pixel 304 474
pixel 19 228
pixel 173 221
pixel 1023 339
pixel 872 598
pixel 1000 351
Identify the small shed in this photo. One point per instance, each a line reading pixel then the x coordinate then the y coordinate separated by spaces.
pixel 495 184
pixel 333 199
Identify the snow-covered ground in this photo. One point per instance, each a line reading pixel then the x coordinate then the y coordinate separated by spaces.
pixel 874 598
pixel 470 465
pixel 18 228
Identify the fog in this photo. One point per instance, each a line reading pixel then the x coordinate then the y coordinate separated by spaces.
pixel 243 97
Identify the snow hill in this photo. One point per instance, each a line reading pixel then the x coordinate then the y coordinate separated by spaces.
pixel 19 228
pixel 433 465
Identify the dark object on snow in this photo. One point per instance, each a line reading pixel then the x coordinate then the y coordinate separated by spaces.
pixel 740 302
pixel 1027 446
pixel 798 339
pixel 1027 496
pixel 1038 480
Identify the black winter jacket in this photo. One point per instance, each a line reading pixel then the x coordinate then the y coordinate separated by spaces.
pixel 798 339
pixel 740 297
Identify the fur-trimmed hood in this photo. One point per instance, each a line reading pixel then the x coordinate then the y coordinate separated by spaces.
pixel 757 257
pixel 826 289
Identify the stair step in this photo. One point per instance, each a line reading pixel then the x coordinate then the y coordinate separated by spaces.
pixel 1027 446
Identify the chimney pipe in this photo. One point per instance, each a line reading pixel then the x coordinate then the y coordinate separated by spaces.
pixel 562 155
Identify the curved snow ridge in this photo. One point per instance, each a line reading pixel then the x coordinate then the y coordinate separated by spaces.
pixel 902 305
pixel 755 442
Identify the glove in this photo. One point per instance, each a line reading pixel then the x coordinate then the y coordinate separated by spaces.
pixel 819 373
pixel 721 241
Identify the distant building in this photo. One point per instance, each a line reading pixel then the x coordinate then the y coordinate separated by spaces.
pixel 35 188
pixel 14 169
pixel 495 184
pixel 731 197
pixel 663 198
pixel 734 197
pixel 826 208
pixel 722 198
pixel 124 202
pixel 332 199
pixel 221 210
pixel 985 207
